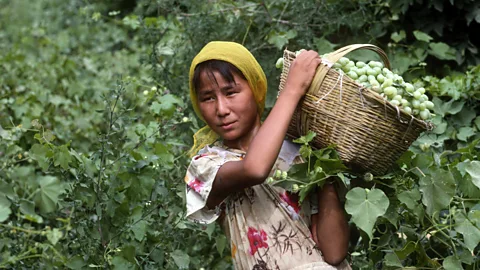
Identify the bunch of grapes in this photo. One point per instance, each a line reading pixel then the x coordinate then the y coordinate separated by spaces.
pixel 390 86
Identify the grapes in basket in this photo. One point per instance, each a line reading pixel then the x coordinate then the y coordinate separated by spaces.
pixel 390 86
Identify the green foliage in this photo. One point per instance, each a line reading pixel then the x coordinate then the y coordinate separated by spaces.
pixel 365 206
pixel 92 149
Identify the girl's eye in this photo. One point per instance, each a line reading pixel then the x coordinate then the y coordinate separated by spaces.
pixel 229 93
pixel 207 99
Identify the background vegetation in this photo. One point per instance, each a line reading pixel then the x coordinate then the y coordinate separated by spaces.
pixel 95 122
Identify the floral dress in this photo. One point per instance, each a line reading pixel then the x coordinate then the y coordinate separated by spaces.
pixel 266 226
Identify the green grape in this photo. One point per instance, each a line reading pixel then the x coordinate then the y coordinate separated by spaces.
pixel 380 78
pixel 429 105
pixel 421 90
pixel 352 74
pixel 424 114
pixel 415 103
pixel 345 69
pixel 407 110
pixel 378 70
pixel 390 91
pixel 343 61
pixel 397 78
pixel 361 71
pixel 417 95
pixel 279 63
pixel 395 102
pixel 422 106
pixel 371 78
pixel 376 87
pixel 360 64
pixel 415 112
pixel 363 78
pixel 398 97
pixel 387 83
pixel 372 72
pixel 424 97
pixel 409 88
pixel 404 102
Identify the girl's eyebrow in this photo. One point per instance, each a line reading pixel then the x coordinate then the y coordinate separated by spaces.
pixel 209 91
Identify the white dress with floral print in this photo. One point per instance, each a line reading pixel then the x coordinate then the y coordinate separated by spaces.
pixel 266 226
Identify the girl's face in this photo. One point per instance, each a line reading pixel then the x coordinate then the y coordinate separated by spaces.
pixel 229 109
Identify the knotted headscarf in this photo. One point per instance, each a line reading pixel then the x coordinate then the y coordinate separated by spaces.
pixel 241 58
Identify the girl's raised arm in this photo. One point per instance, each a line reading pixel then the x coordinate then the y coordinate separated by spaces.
pixel 265 146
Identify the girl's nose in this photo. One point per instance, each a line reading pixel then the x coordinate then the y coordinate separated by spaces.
pixel 223 108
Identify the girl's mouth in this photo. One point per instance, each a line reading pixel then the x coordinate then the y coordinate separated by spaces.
pixel 227 126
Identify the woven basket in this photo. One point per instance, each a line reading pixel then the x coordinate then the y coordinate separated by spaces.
pixel 370 133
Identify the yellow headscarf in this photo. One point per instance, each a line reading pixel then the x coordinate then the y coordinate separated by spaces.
pixel 241 58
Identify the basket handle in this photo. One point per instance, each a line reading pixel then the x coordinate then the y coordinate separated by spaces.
pixel 336 55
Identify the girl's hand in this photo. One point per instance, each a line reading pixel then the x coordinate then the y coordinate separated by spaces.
pixel 301 72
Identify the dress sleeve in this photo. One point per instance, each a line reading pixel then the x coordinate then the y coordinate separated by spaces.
pixel 199 180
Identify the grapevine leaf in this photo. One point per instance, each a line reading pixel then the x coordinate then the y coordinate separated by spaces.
pixel 54 236
pixel 410 198
pixel 473 169
pixel 366 206
pixel 419 35
pixel 280 39
pixel 391 259
pixel 304 192
pixel 166 105
pixel 470 232
pixel 220 243
pixel 452 263
pixel 392 214
pixel 4 208
pixel 464 180
pixel 306 139
pixel 7 190
pixel 62 157
pixel 464 118
pixel 440 129
pixel 477 123
pixel 464 133
pixel 120 263
pixel 442 51
pixel 305 151
pixel 438 188
pixel 163 153
pixel 406 250
pixel 139 229
pixel 47 196
pixel 444 108
pixel 76 262
pixel 28 209
pixel 182 260
pixel 128 252
pixel 323 45
pixel 398 36
pixel 40 153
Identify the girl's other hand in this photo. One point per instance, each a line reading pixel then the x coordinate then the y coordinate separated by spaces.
pixel 302 71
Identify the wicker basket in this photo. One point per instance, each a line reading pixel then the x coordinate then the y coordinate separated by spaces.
pixel 370 133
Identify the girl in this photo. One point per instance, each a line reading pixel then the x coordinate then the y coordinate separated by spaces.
pixel 266 226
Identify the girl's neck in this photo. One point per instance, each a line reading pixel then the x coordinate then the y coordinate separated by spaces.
pixel 243 142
